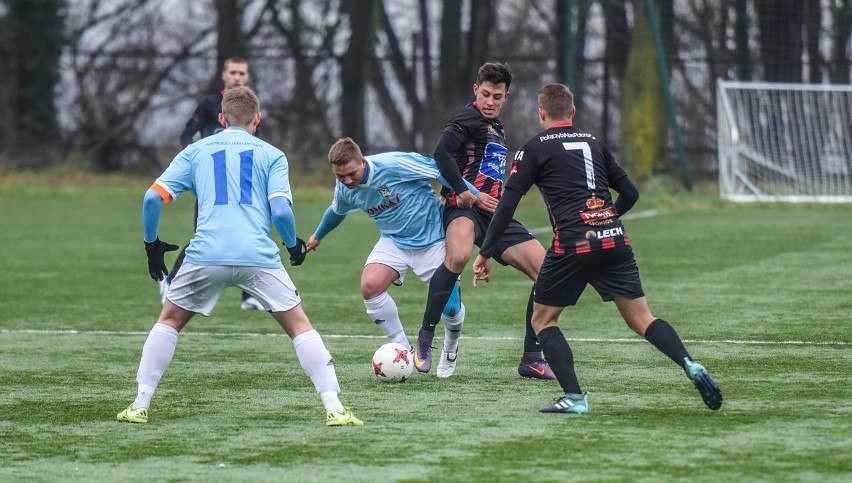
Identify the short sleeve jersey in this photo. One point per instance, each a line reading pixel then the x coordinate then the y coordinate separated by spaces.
pixel 233 175
pixel 573 171
pixel 398 195
pixel 482 161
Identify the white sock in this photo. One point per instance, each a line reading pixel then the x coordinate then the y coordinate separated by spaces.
pixel 157 354
pixel 383 311
pixel 452 329
pixel 316 361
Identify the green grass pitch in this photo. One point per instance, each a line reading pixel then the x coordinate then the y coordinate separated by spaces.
pixel 761 294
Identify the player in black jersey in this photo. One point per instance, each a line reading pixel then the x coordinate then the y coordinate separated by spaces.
pixel 574 173
pixel 472 147
pixel 205 121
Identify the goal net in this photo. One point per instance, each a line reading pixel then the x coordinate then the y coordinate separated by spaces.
pixel 785 142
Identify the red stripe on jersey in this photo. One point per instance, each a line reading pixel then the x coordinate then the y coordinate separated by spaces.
pixel 167 197
pixel 557 245
pixel 583 246
pixel 626 241
pixel 608 243
pixel 561 124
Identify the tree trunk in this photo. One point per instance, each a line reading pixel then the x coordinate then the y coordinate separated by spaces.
pixel 481 20
pixel 451 86
pixel 617 39
pixel 230 40
pixel 356 67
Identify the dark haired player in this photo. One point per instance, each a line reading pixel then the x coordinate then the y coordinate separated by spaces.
pixel 472 147
pixel 574 173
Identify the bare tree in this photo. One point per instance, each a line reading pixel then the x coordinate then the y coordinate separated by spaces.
pixel 120 66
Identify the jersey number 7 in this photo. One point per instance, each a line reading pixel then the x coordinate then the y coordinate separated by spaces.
pixel 587 159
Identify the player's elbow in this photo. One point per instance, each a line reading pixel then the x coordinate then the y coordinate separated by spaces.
pixel 152 199
pixel 281 209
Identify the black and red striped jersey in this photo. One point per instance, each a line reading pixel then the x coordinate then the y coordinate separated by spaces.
pixel 574 172
pixel 482 159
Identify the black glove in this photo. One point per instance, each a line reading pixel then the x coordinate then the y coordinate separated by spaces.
pixel 155 251
pixel 298 252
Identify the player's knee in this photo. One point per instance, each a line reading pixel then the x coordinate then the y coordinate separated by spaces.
pixel 456 262
pixel 540 323
pixel 370 289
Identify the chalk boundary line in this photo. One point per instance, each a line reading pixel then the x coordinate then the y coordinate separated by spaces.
pixel 603 340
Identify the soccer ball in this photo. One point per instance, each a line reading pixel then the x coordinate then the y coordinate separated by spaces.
pixel 392 363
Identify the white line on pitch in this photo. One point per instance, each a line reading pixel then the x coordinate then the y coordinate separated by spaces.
pixel 356 336
pixel 630 216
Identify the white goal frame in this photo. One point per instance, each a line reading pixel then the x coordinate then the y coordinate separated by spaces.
pixel 784 142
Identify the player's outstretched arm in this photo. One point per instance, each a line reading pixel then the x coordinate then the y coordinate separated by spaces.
pixel 285 223
pixel 330 220
pixel 467 198
pixel 152 207
pixel 284 219
pixel 313 243
pixel 155 249
pixel 502 216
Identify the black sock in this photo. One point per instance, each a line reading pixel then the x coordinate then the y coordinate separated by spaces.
pixel 560 358
pixel 530 340
pixel 665 339
pixel 440 287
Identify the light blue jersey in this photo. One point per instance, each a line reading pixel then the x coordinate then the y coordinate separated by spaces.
pixel 399 198
pixel 233 175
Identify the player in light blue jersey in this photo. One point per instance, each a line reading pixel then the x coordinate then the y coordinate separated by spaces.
pixel 242 187
pixel 395 190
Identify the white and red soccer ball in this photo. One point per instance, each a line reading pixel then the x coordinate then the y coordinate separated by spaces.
pixel 392 363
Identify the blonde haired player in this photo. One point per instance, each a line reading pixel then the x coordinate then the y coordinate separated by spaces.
pixel 242 186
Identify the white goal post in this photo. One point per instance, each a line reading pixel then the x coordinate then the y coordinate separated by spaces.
pixel 784 142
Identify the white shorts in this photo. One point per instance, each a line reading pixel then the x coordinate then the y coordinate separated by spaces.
pixel 197 287
pixel 423 261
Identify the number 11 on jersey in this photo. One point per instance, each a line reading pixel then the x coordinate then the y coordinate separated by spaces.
pixel 220 176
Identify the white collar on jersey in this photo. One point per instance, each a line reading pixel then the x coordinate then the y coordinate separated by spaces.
pixel 371 172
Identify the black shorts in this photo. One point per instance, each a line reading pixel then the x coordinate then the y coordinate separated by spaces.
pixel 515 233
pixel 612 272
